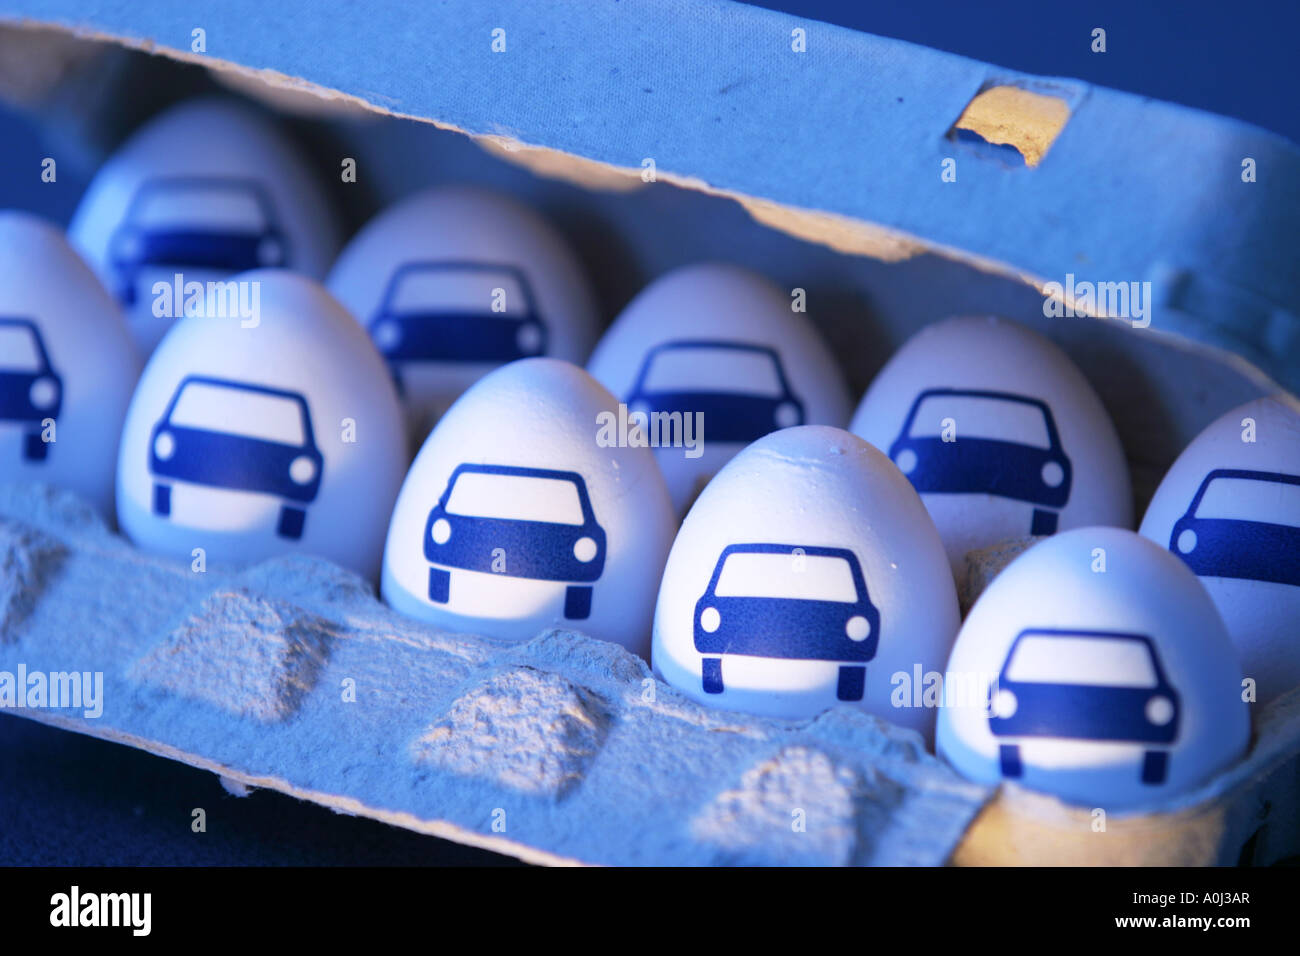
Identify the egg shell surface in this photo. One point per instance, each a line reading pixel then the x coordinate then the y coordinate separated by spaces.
pixel 999 432
pixel 456 281
pixel 808 559
pixel 206 189
pixel 1230 508
pixel 251 442
pixel 1111 677
pixel 516 517
pixel 720 347
pixel 67 360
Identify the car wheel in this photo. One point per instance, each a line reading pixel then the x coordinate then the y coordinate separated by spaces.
pixel 34 449
pixel 1155 767
pixel 291 522
pixel 1044 522
pixel 1009 759
pixel 712 676
pixel 439 585
pixel 162 499
pixel 577 602
pixel 852 682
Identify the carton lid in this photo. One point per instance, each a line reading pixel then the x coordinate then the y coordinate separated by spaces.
pixel 835 136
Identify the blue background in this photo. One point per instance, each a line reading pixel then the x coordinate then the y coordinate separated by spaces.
pixel 69 799
pixel 1237 59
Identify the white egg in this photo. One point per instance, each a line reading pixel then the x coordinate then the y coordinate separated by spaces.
pixel 250 438
pixel 1230 508
pixel 521 513
pixel 453 282
pixel 205 190
pixel 807 573
pixel 999 432
pixel 709 358
pixel 67 364
pixel 1095 668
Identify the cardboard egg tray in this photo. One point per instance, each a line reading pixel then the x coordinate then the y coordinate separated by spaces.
pixel 822 172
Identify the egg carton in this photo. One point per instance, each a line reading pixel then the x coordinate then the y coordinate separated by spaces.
pixel 566 749
pixel 289 675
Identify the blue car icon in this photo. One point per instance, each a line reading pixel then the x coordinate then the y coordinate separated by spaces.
pixel 679 376
pixel 1084 685
pixel 226 224
pixel 1236 527
pixel 444 312
pixel 30 390
pixel 788 602
pixel 518 522
pixel 226 434
pixel 990 455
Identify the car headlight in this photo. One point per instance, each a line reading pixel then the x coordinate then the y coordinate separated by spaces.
pixel 127 246
pixel 906 461
pixel 584 549
pixel 1003 704
pixel 710 619
pixel 387 335
pixel 786 415
pixel 302 469
pixel 529 338
pixel 164 446
pixel 269 251
pixel 44 392
pixel 857 628
pixel 1160 710
pixel 1053 474
pixel 441 531
pixel 1187 541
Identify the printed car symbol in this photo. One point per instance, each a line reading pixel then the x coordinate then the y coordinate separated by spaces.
pixel 683 375
pixel 1242 524
pixel 996 459
pixel 30 390
pixel 226 224
pixel 517 522
pixel 226 434
pixel 1084 685
pixel 789 602
pixel 458 312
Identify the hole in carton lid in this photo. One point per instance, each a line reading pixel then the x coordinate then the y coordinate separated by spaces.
pixel 1019 121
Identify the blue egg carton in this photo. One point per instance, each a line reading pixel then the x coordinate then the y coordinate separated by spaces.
pixel 823 169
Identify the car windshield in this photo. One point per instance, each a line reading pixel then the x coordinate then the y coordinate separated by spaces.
pixel 210 207
pixel 1251 499
pixel 239 411
pixel 978 416
pixel 710 368
pixel 1091 661
pixel 448 289
pixel 515 498
pixel 18 351
pixel 790 575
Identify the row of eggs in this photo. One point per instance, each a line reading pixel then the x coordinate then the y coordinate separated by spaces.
pixel 808 558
